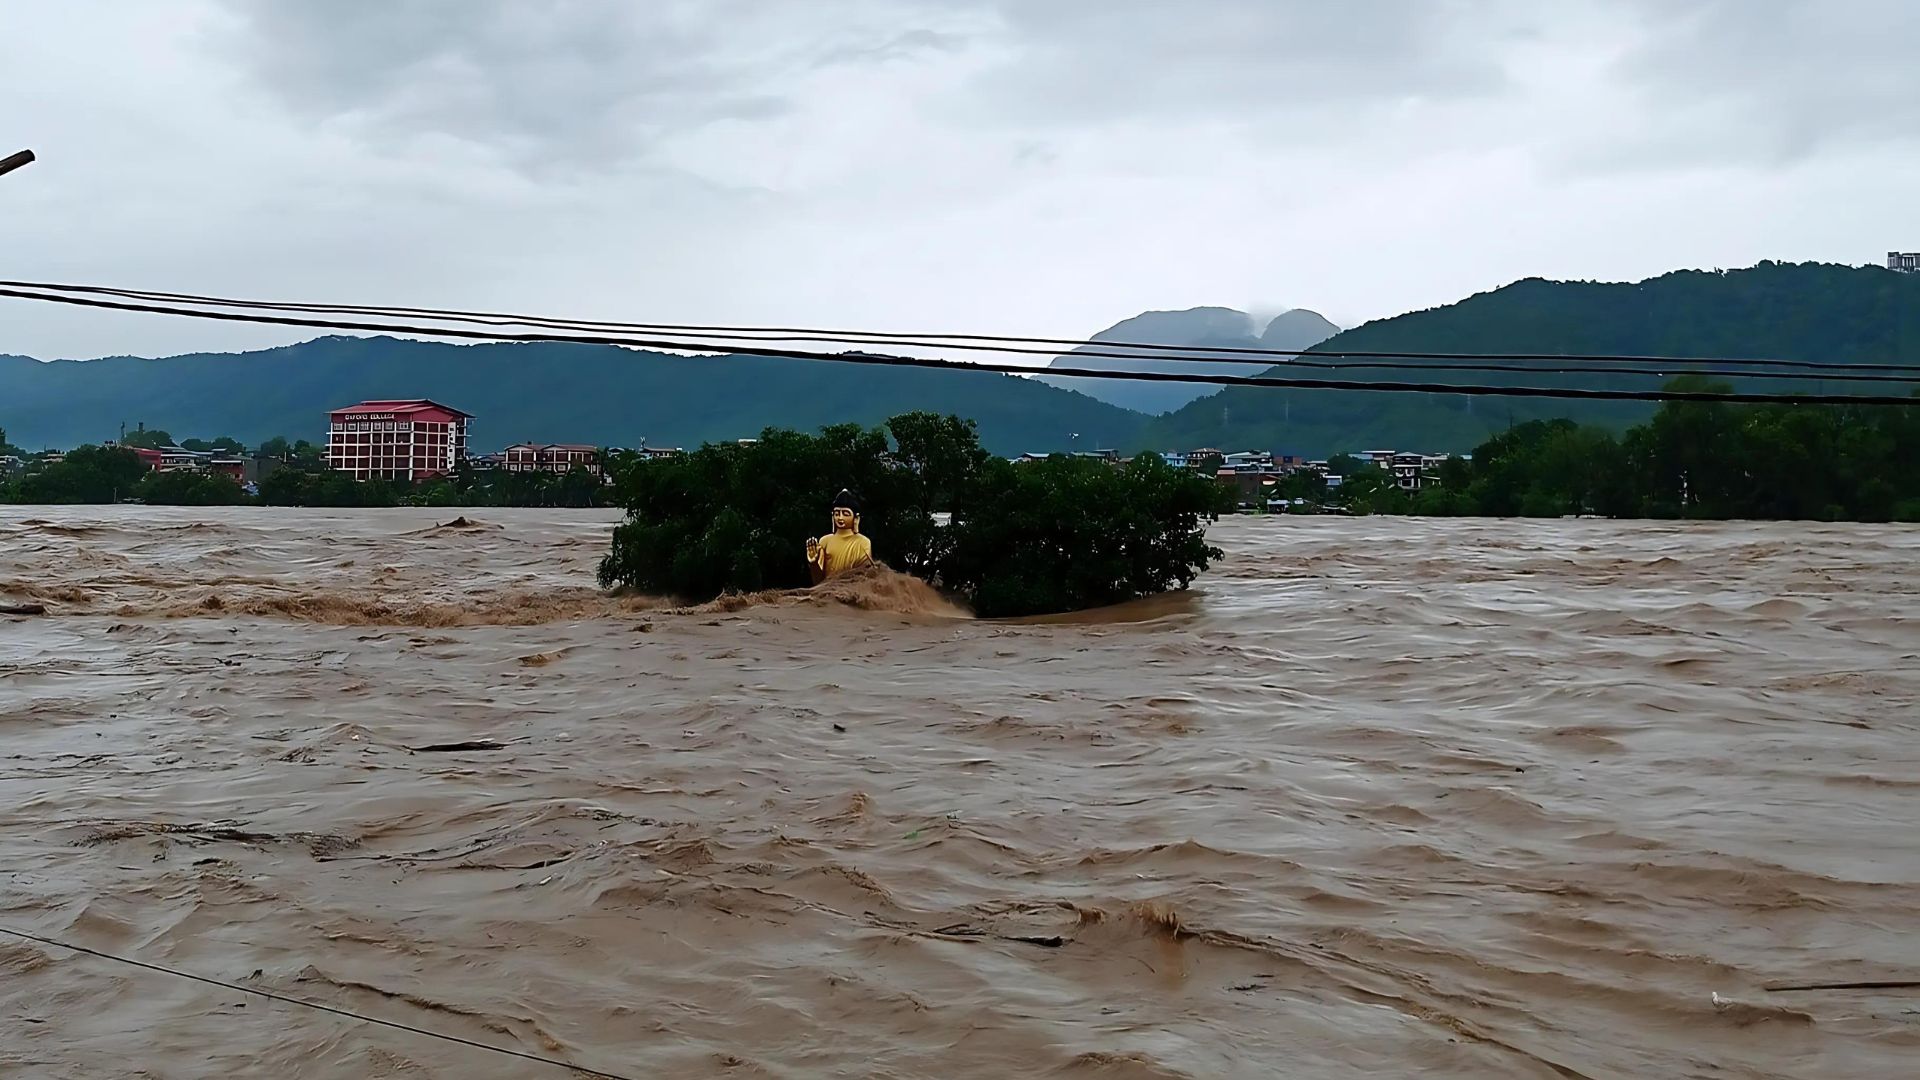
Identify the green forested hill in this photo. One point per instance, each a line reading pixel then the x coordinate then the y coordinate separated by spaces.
pixel 528 392
pixel 600 394
pixel 1806 311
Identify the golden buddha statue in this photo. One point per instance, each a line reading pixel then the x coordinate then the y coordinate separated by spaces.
pixel 842 549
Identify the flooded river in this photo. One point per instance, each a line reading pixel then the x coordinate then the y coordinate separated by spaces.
pixel 1377 798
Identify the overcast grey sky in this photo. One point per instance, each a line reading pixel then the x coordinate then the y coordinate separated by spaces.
pixel 1019 166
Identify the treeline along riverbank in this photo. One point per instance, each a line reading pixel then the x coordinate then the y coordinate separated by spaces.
pixel 1700 460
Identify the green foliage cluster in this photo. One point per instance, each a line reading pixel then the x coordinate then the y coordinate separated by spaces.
pixel 302 453
pixel 188 489
pixel 301 483
pixel 108 474
pixel 93 474
pixel 1370 489
pixel 576 489
pixel 89 474
pixel 156 439
pixel 225 444
pixel 1691 460
pixel 1059 535
pixel 735 516
pixel 1068 533
pixel 147 438
pixel 324 487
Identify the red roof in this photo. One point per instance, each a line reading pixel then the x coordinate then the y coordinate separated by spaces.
pixel 409 406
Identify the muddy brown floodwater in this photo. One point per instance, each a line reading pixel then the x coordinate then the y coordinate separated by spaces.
pixel 1377 798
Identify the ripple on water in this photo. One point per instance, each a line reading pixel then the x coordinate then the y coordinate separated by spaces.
pixel 1376 798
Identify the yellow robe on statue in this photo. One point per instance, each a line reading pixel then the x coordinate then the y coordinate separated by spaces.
pixel 840 552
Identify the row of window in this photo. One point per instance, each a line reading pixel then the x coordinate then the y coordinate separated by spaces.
pixel 389 463
pixel 380 463
pixel 402 438
pixel 387 425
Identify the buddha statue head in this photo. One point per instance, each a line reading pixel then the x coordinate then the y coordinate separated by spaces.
pixel 846 513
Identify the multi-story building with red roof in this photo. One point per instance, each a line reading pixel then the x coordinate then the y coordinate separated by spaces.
pixel 396 440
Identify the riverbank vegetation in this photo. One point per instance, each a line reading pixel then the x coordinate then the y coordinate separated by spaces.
pixel 1700 460
pixel 107 474
pixel 465 486
pixel 1057 535
pixel 1697 460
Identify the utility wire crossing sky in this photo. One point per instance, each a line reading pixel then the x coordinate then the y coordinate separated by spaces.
pixel 67 295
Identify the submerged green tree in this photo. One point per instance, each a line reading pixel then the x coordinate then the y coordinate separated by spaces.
pixel 1066 534
pixel 1369 489
pixel 1699 459
pixel 734 516
pixel 90 474
pixel 184 488
pixel 293 487
pixel 1023 539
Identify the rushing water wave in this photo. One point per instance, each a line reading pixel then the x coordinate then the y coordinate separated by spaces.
pixel 1377 798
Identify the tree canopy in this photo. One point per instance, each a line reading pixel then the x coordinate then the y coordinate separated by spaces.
pixel 1691 460
pixel 89 474
pixel 148 439
pixel 183 488
pixel 1054 536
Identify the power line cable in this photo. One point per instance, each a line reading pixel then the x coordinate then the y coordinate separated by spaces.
pixel 305 1004
pixel 1199 354
pixel 19 160
pixel 1466 389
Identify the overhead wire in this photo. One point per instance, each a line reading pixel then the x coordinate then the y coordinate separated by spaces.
pixel 287 999
pixel 675 345
pixel 1009 344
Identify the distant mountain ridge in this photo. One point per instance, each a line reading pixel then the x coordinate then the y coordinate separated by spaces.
pixel 529 392
pixel 1198 329
pixel 1805 311
pixel 600 394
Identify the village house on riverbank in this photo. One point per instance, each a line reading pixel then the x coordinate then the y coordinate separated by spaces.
pixel 1253 475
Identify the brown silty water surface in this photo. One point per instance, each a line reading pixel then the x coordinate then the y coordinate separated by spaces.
pixel 1377 798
